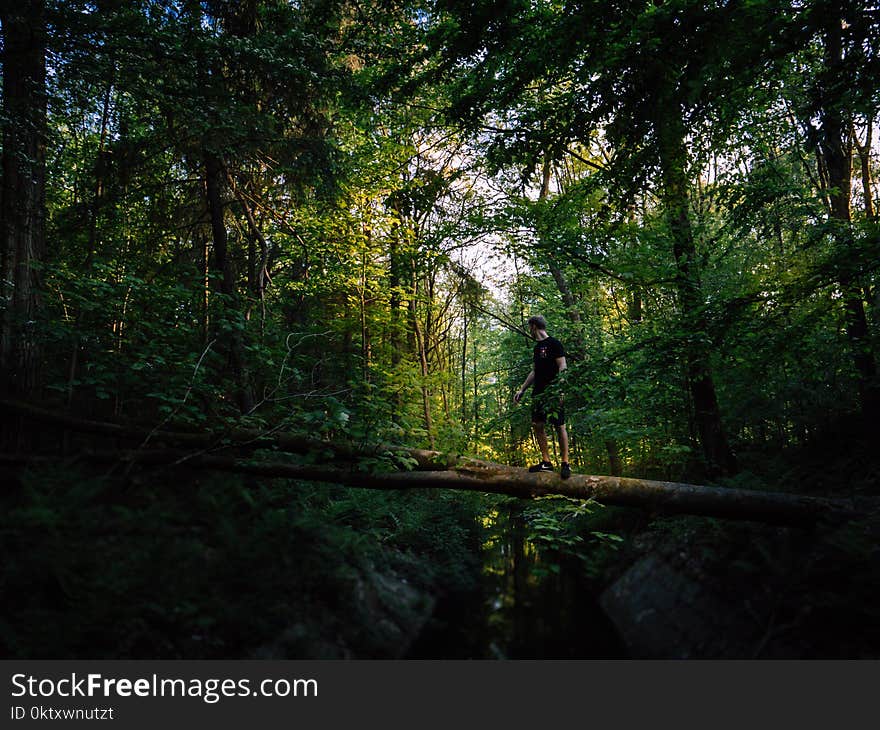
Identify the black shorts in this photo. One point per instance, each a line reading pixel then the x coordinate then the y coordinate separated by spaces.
pixel 548 410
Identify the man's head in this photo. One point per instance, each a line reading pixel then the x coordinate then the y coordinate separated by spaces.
pixel 537 324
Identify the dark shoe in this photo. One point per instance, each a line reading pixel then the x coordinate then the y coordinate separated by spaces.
pixel 565 471
pixel 543 466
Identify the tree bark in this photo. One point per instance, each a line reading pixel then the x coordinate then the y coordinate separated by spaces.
pixel 673 162
pixel 22 208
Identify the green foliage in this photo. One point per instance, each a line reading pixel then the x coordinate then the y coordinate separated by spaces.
pixel 564 530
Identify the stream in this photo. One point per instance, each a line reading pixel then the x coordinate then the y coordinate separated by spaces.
pixel 531 605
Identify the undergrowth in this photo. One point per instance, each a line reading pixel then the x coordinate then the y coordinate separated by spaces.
pixel 206 565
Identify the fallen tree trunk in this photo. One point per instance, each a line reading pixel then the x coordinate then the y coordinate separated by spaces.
pixel 223 451
pixel 481 476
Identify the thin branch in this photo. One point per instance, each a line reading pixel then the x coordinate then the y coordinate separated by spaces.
pixel 588 163
pixel 173 413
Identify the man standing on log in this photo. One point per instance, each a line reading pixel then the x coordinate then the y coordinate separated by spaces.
pixel 549 361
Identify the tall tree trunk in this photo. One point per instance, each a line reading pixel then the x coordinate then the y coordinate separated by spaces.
pixel 464 345
pixel 258 266
pixel 395 285
pixel 673 162
pixel 835 145
pixel 864 152
pixel 421 345
pixel 22 208
pixel 214 177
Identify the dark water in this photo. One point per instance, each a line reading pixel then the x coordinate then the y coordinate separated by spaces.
pixel 531 604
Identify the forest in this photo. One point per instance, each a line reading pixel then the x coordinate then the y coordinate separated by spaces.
pixel 267 268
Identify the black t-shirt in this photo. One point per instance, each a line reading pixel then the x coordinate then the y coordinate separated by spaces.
pixel 546 352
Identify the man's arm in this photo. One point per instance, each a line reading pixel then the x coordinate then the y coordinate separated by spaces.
pixel 529 380
pixel 558 382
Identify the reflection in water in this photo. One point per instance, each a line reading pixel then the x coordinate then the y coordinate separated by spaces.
pixel 533 603
pixel 541 605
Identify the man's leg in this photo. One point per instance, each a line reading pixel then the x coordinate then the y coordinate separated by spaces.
pixel 541 437
pixel 563 442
